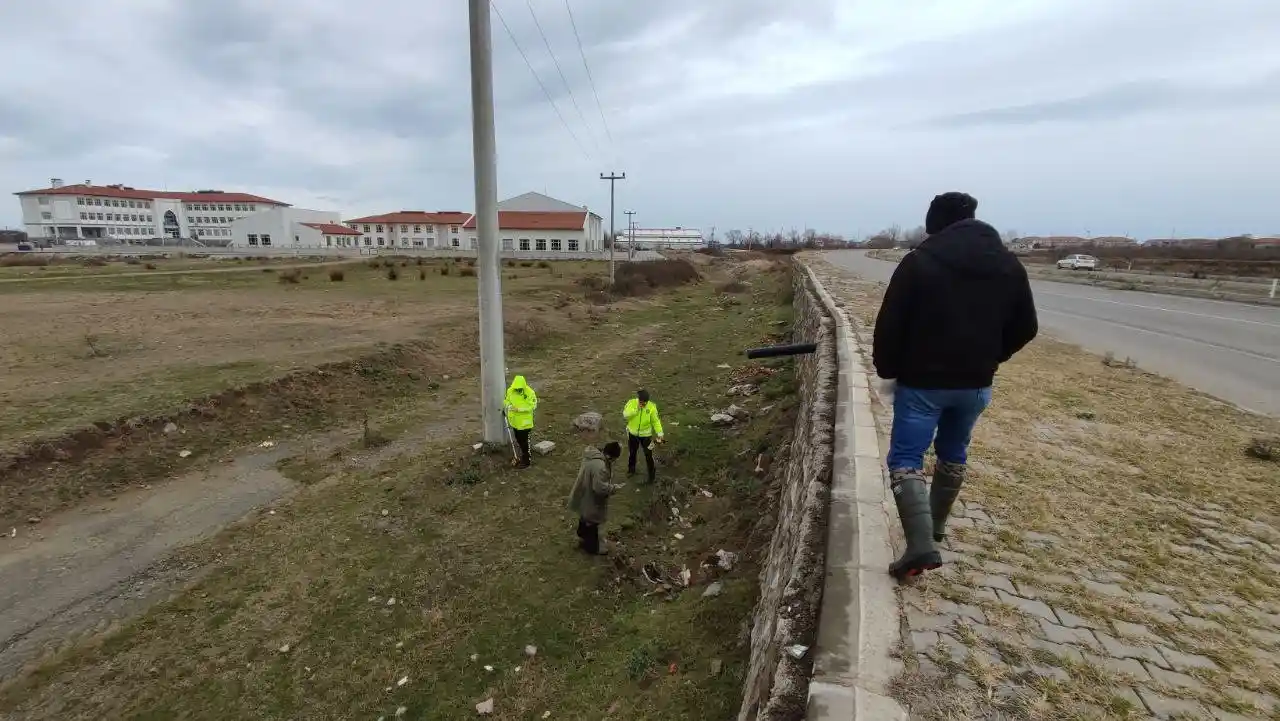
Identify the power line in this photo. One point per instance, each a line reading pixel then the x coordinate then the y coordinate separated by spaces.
pixel 554 61
pixel 545 92
pixel 590 79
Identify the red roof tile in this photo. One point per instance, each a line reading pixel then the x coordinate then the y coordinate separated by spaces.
pixel 332 229
pixel 537 220
pixel 448 217
pixel 113 191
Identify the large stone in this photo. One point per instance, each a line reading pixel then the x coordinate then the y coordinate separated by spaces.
pixel 589 421
pixel 544 447
pixel 721 419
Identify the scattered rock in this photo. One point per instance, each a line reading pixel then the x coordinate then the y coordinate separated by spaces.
pixel 1086 415
pixel 726 559
pixel 447 378
pixel 1264 449
pixel 284 648
pixel 34 520
pixel 475 657
pixel 13 533
pixel 477 447
pixel 385 512
pixel 546 714
pixel 266 444
pixel 391 601
pixel 721 419
pixel 531 651
pixel 713 590
pixel 589 421
pixel 724 366
pixel 401 711
pixel 403 680
pixel 170 428
pixel 544 447
pixel 742 389
pixel 485 707
pixel 738 412
pixel 184 454
pixel 488 668
pixel 797 651
pixel 716 665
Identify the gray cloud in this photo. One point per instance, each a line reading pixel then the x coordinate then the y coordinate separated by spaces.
pixel 842 115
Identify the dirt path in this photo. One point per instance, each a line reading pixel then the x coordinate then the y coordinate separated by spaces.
pixel 95 565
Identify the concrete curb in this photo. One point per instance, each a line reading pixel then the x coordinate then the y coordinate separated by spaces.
pixel 858 627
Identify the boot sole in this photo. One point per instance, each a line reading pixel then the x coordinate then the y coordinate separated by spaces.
pixel 917 566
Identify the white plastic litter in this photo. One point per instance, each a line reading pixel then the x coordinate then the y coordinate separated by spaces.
pixel 485 707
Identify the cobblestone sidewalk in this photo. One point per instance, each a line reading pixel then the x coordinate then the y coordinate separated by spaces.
pixel 1115 555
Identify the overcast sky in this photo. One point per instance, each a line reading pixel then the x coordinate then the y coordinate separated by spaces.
pixel 1141 117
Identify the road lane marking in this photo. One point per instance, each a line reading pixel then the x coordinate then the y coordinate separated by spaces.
pixel 1167 310
pixel 1250 354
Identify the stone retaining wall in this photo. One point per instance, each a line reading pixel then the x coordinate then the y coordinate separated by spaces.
pixel 824 585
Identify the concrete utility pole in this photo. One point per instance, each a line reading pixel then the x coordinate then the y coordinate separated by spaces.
pixel 493 379
pixel 611 177
pixel 631 235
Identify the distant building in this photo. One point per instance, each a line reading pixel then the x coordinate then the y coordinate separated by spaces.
pixel 292 228
pixel 1072 241
pixel 411 229
pixel 665 238
pixel 123 214
pixel 544 232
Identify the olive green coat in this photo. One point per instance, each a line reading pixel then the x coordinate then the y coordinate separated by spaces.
pixel 590 495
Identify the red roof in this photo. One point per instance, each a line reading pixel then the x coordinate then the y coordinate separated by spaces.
pixel 121 191
pixel 332 229
pixel 445 217
pixel 537 220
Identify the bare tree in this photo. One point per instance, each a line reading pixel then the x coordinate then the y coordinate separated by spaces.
pixel 914 237
pixel 879 241
pixel 733 237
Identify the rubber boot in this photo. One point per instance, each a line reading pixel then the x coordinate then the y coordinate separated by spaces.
pixel 912 498
pixel 947 479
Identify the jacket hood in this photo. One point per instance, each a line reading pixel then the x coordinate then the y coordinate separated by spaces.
pixel 518 383
pixel 971 247
pixel 593 454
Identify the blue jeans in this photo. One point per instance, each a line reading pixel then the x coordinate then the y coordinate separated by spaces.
pixel 918 414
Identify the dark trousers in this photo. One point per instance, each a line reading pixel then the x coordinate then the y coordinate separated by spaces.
pixel 590 535
pixel 646 442
pixel 522 440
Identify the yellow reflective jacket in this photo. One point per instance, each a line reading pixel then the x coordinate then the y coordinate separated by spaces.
pixel 642 422
pixel 520 403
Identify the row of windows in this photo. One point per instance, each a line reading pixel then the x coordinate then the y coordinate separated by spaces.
pixel 122 217
pixel 109 202
pixel 222 207
pixel 403 228
pixel 259 239
pixel 209 220
pixel 542 244
pixel 216 232
pixel 131 231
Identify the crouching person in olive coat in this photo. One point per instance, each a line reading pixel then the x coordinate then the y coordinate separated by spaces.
pixel 590 496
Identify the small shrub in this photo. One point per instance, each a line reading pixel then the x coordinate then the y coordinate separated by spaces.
pixel 337 275
pixel 733 286
pixel 467 272
pixel 511 264
pixel 417 261
pixel 291 276
pixel 21 260
pixel 523 335
pixel 132 261
pixel 373 263
pixel 1264 449
pixel 526 264
pixel 544 264
pixel 422 274
pixel 268 270
pixel 444 270
pixel 95 263
pixel 636 279
pixel 391 272
pixel 150 266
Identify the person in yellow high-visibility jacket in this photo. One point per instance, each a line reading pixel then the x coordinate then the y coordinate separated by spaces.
pixel 643 427
pixel 519 404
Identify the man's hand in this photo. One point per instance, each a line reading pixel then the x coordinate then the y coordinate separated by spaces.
pixel 661 439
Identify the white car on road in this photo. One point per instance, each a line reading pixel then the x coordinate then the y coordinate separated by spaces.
pixel 1078 262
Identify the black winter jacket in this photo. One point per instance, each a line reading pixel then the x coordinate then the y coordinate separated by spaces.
pixel 957 307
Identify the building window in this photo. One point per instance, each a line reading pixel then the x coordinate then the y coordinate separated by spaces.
pixel 380 240
pixel 253 239
pixel 454 243
pixel 366 229
pixel 149 218
pixel 417 229
pixel 404 229
pixel 368 242
pixel 100 216
pixel 556 245
pixel 508 244
pixel 46 215
pixel 474 243
pixel 573 245
pixel 417 242
pixel 378 229
pixel 133 217
pixel 540 244
pixel 453 229
pixel 44 200
pixel 328 240
pixel 266 240
pixel 201 232
pixel 84 216
pixel 79 201
pixel 251 207
pixel 524 244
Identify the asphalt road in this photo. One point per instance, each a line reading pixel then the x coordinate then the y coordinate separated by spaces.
pixel 1229 350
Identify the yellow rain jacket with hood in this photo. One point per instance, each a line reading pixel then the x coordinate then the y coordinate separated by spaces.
pixel 642 422
pixel 520 403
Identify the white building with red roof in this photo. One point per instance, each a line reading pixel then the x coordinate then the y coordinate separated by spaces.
pixel 122 214
pixel 292 229
pixel 410 229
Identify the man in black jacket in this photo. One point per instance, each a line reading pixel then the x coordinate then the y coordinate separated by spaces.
pixel 957 307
